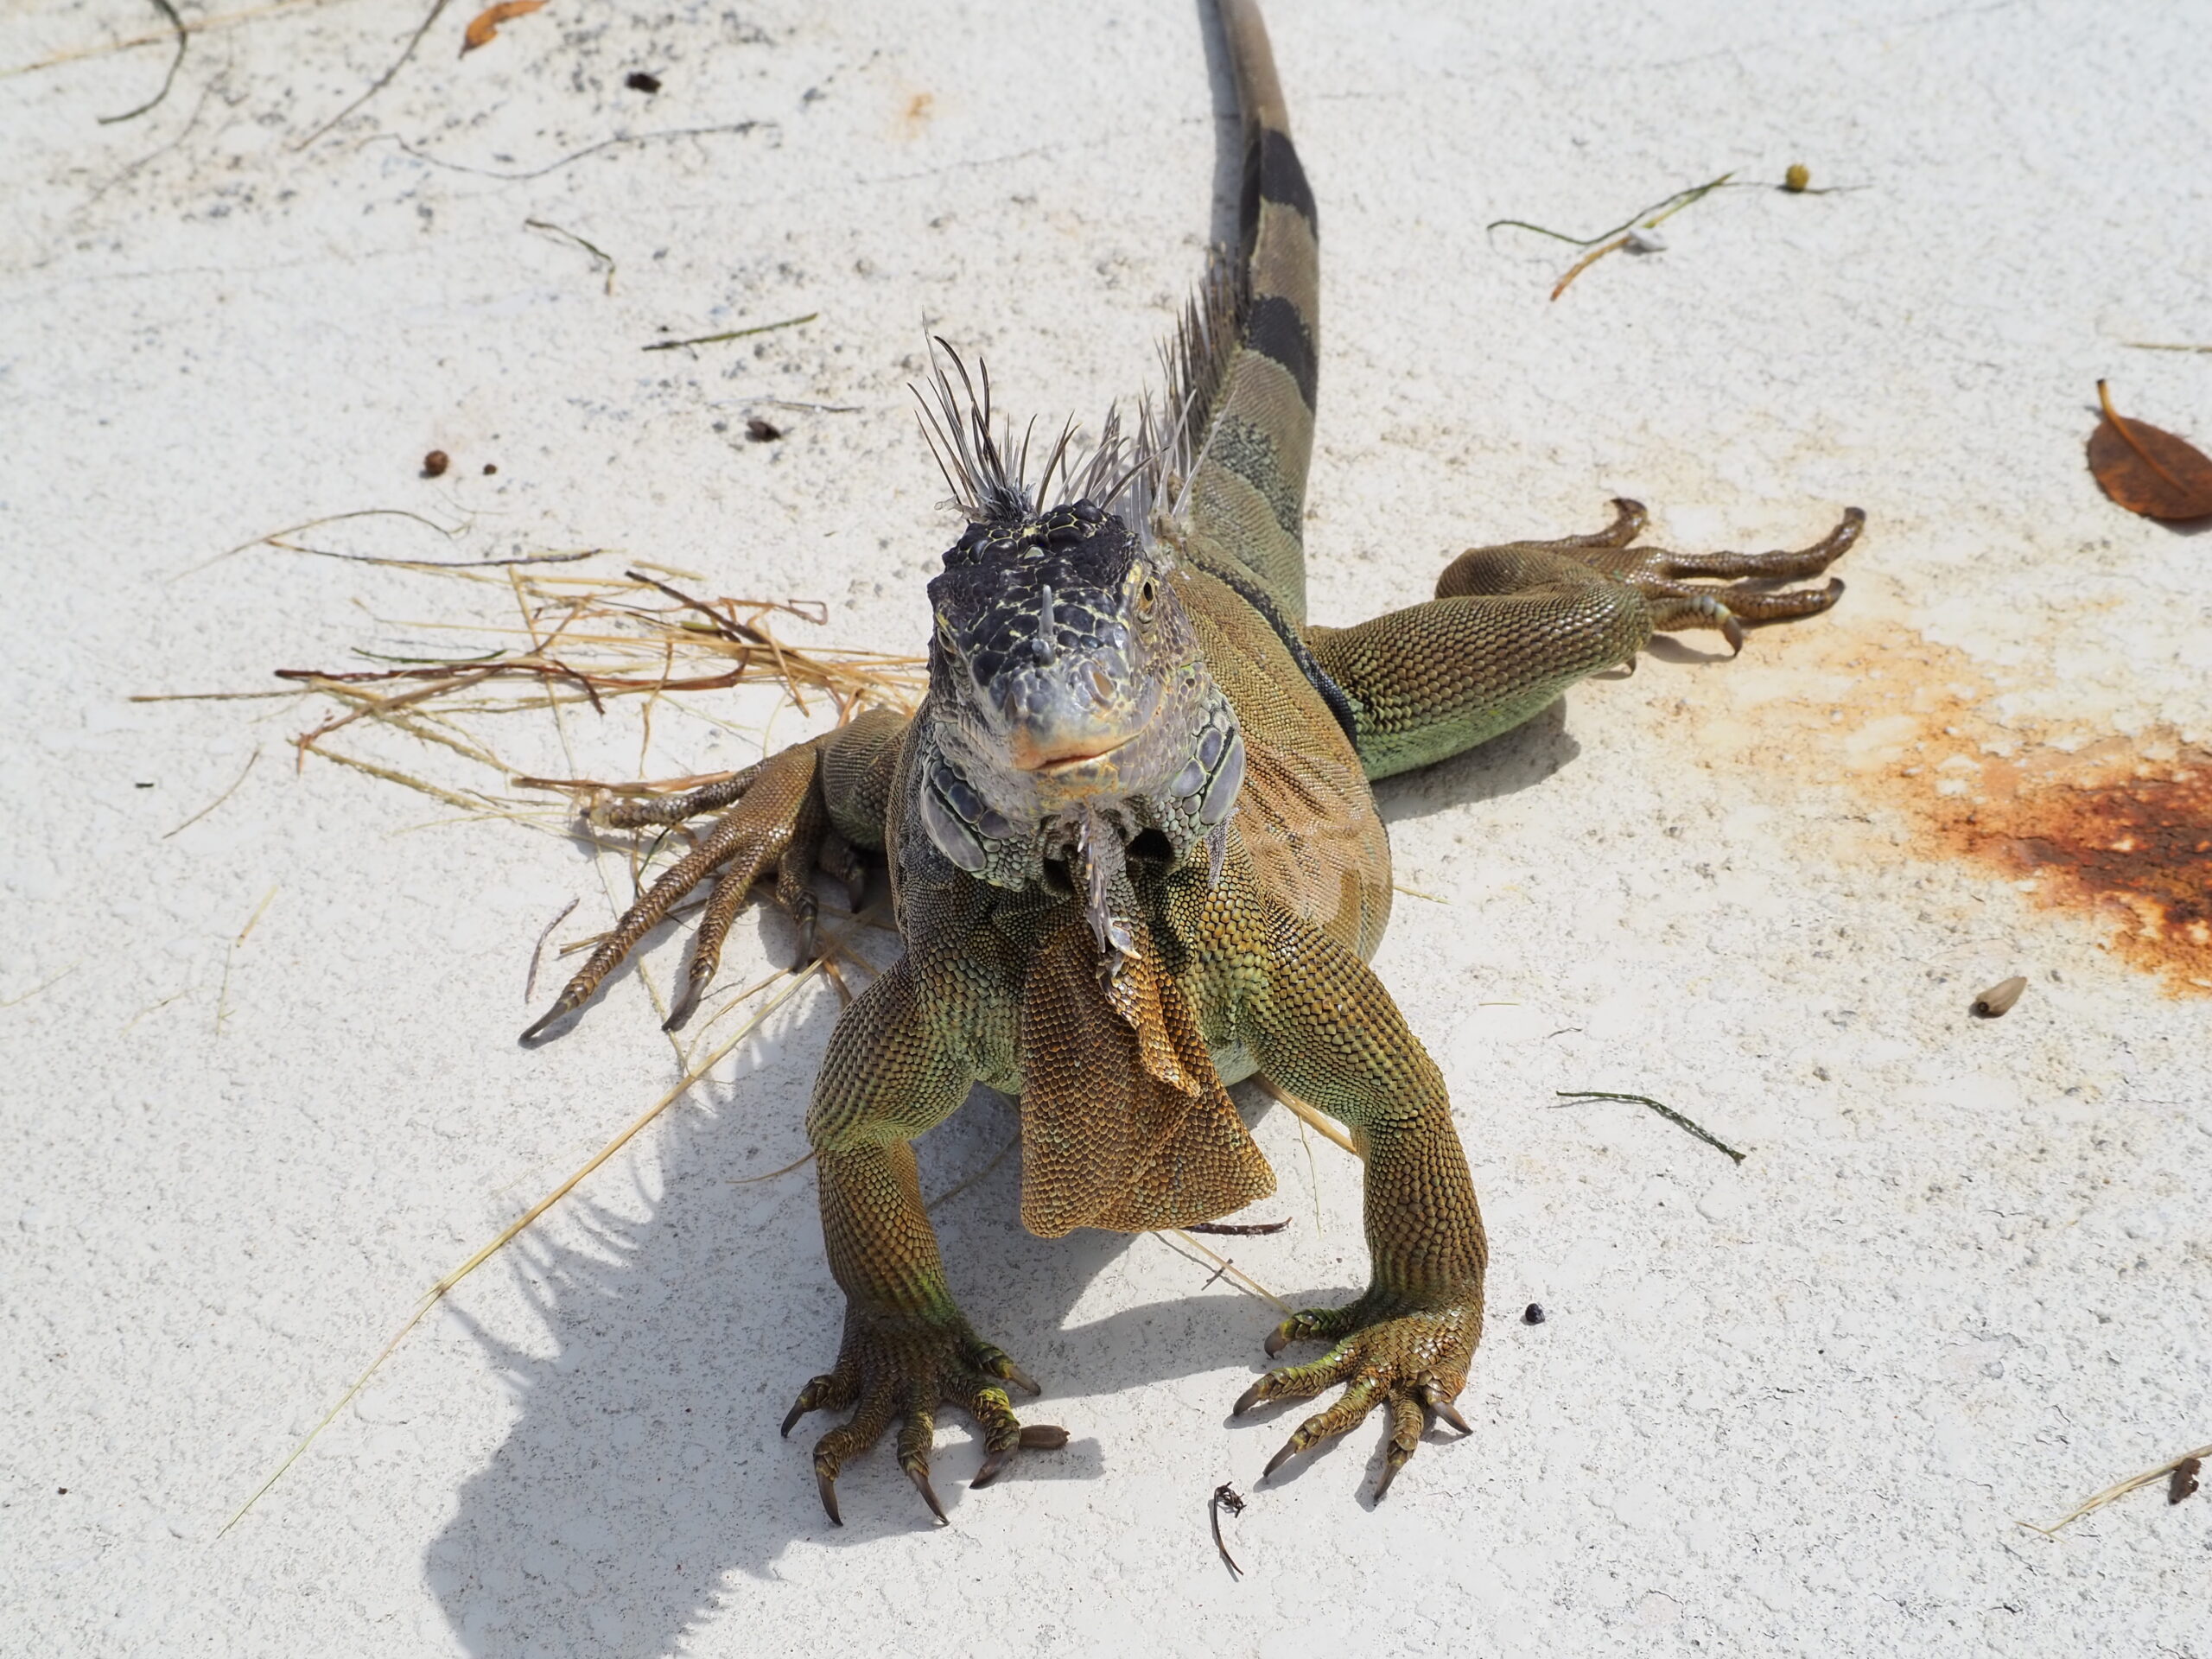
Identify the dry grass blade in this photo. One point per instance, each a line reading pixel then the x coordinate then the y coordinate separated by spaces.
pixel 438 1292
pixel 2119 1489
pixel 1307 1114
pixel 1223 1267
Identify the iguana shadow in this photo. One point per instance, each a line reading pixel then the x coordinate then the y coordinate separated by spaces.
pixel 644 1468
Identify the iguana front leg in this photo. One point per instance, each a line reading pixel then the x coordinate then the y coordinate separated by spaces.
pixel 891 1075
pixel 810 804
pixel 1319 1023
pixel 1513 627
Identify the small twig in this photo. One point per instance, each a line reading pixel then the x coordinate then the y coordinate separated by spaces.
pixel 438 564
pixel 596 252
pixel 946 1197
pixel 176 23
pixel 312 523
pixel 383 80
pixel 1229 1268
pixel 734 333
pixel 1668 203
pixel 220 799
pixel 735 633
pixel 530 985
pixel 35 990
pixel 1224 1497
pixel 1237 1229
pixel 2118 1491
pixel 738 127
pixel 1667 1112
pixel 2149 346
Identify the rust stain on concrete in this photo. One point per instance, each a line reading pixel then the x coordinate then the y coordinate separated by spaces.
pixel 2119 826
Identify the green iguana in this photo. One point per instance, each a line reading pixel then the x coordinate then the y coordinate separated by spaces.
pixel 1134 855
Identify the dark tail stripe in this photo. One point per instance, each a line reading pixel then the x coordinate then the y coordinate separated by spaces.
pixel 1273 174
pixel 1274 327
pixel 1282 179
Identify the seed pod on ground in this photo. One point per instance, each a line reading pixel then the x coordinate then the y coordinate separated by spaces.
pixel 1998 999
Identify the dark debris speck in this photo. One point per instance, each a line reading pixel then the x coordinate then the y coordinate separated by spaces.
pixel 639 81
pixel 1533 1314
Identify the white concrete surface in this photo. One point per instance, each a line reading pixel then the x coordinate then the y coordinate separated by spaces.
pixel 1790 1407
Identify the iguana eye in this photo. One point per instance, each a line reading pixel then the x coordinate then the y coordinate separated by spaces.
pixel 1147 595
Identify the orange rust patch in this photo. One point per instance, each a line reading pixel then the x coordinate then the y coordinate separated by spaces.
pixel 2131 837
pixel 2120 827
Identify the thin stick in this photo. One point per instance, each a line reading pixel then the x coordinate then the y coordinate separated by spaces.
pixel 734 333
pixel 312 523
pixel 2150 346
pixel 748 1180
pixel 2122 1490
pixel 438 1292
pixel 1004 1151
pixel 438 564
pixel 48 986
pixel 595 252
pixel 1305 1113
pixel 530 985
pixel 1237 1229
pixel 220 799
pixel 176 23
pixel 1667 1112
pixel 1225 1266
pixel 382 80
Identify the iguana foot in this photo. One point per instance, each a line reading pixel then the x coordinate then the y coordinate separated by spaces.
pixel 906 1365
pixel 777 826
pixel 1413 1359
pixel 1746 593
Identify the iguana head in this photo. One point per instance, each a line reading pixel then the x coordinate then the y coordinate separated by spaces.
pixel 1072 720
pixel 1069 698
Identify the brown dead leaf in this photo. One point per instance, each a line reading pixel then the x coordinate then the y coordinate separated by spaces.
pixel 486 24
pixel 2148 471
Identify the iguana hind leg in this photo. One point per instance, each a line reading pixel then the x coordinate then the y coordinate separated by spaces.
pixel 1513 627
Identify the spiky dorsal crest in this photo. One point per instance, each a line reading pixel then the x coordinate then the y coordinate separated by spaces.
pixel 989 472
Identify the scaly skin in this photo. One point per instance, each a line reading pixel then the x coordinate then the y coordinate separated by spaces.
pixel 1085 924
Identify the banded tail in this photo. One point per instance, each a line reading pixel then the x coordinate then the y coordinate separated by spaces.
pixel 1243 365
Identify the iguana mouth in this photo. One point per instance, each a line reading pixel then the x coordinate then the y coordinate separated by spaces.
pixel 1060 764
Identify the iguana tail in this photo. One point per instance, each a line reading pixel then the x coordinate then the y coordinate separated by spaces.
pixel 1242 368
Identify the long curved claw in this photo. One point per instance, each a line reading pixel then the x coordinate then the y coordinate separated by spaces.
pixel 1405 1440
pixel 1043 1437
pixel 921 1477
pixel 1440 1402
pixel 827 1485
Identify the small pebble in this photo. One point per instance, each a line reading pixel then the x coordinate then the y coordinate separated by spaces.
pixel 1999 999
pixel 639 81
pixel 1644 239
pixel 489 468
pixel 1797 177
pixel 1533 1314
pixel 761 431
pixel 434 464
pixel 2182 1481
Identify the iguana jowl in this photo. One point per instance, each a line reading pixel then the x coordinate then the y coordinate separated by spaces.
pixel 1134 854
